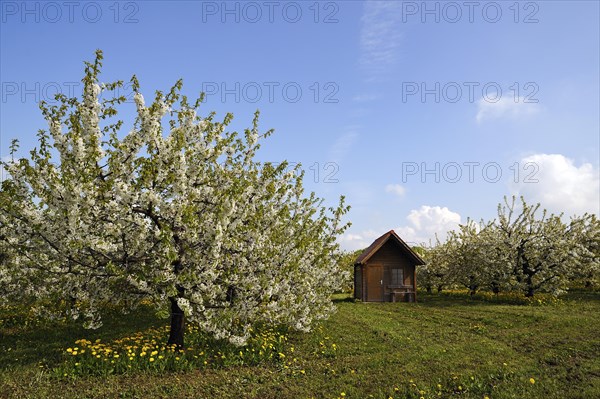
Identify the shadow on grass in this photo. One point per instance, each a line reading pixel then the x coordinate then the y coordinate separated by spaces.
pixel 338 298
pixel 444 301
pixel 22 346
pixel 585 294
pixel 437 300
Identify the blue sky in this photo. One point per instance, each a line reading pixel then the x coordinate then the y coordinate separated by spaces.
pixel 421 113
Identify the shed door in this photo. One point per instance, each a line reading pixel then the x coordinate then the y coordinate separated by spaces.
pixel 374 283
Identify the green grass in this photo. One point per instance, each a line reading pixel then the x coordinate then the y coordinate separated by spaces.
pixel 445 346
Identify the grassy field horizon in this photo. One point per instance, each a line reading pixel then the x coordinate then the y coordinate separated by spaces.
pixel 444 346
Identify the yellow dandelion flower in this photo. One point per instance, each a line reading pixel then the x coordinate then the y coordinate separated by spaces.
pixel 69 350
pixel 151 359
pixel 531 380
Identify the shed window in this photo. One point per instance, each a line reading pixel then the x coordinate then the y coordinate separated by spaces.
pixel 397 277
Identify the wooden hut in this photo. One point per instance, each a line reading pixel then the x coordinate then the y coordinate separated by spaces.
pixel 385 271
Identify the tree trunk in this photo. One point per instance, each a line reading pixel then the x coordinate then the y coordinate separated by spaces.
pixel 495 287
pixel 177 324
pixel 530 292
pixel 472 286
pixel 473 289
pixel 528 272
pixel 177 315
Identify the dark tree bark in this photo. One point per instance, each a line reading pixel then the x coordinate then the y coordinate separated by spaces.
pixel 529 273
pixel 231 294
pixel 530 291
pixel 495 287
pixel 177 314
pixel 588 284
pixel 177 321
pixel 473 287
pixel 472 290
pixel 177 324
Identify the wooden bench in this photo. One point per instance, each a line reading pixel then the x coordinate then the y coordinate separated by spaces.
pixel 402 294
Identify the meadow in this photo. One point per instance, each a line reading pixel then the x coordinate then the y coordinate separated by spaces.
pixel 445 346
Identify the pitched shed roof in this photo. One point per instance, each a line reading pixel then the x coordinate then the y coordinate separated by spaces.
pixel 378 243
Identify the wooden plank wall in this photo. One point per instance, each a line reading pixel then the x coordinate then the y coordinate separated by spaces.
pixel 391 255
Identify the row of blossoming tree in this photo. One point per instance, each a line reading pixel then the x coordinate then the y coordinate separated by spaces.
pixel 525 249
pixel 175 212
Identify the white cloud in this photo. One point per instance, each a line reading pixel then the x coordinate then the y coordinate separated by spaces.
pixel 558 184
pixel 505 107
pixel 427 222
pixel 380 35
pixel 424 224
pixel 361 240
pixel 396 189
